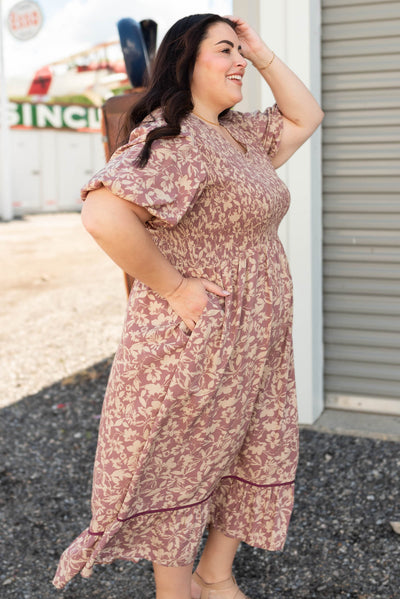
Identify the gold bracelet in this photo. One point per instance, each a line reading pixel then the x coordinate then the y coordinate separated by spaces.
pixel 175 290
pixel 269 64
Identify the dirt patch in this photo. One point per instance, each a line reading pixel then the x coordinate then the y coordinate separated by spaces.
pixel 63 303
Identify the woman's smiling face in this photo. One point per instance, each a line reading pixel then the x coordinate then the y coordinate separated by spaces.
pixel 218 71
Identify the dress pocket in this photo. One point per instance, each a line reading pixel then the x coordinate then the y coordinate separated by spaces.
pixel 215 306
pixel 184 328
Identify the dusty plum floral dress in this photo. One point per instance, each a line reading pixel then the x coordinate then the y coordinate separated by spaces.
pixel 201 426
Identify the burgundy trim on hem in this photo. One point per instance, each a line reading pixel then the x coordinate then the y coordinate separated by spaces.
pixel 95 534
pixel 182 507
pixel 243 480
pixel 166 509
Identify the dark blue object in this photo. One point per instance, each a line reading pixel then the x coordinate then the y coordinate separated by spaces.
pixel 134 51
pixel 149 32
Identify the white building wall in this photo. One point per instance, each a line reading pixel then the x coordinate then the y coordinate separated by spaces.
pixel 49 167
pixel 292 29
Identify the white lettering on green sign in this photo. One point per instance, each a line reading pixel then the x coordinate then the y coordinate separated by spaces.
pixel 48 116
pixel 56 116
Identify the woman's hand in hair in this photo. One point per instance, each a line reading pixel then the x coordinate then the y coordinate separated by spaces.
pixel 253 47
pixel 190 299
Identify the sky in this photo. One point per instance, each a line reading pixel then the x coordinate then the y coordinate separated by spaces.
pixel 71 26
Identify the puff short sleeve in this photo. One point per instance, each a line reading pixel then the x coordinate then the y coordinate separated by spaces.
pixel 167 186
pixel 266 126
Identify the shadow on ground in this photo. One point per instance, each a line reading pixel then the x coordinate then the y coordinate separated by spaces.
pixel 340 541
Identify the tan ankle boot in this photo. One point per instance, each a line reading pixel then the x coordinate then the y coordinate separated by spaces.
pixel 228 589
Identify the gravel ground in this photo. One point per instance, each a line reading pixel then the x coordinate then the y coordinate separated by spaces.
pixel 60 304
pixel 340 543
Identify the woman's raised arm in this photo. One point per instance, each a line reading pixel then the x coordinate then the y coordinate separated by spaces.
pixel 301 112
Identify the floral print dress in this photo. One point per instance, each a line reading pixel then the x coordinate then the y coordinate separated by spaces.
pixel 199 427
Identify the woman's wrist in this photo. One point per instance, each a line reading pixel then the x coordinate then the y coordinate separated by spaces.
pixel 268 64
pixel 169 294
pixel 264 59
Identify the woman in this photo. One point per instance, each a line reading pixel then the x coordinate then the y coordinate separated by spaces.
pixel 199 419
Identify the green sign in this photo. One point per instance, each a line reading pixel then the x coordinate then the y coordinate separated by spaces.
pixel 54 116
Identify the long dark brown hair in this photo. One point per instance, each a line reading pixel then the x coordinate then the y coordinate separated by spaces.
pixel 169 84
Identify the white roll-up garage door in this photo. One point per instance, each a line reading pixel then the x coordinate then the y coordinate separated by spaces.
pixel 361 183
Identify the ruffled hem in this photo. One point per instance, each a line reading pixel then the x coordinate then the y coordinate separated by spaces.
pixel 74 559
pixel 264 512
pixel 170 538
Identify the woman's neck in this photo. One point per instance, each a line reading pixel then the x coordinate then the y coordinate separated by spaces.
pixel 207 114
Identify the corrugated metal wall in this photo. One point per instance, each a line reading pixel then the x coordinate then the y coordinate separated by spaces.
pixel 361 183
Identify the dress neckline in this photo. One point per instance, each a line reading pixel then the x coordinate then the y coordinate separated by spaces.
pixel 237 145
